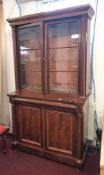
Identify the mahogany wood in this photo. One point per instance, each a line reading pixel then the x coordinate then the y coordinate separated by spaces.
pixel 48 121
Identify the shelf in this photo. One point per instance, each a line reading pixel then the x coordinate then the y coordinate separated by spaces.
pixel 29 49
pixel 63 47
pixel 29 87
pixel 71 71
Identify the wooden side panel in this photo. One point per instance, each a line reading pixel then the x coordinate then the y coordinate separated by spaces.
pixel 29 128
pixel 60 132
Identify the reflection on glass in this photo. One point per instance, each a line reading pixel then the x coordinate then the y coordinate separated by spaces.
pixel 29 37
pixel 64 43
pixel 74 36
pixel 64 34
pixel 30 57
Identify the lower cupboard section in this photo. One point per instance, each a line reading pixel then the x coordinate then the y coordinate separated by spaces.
pixel 51 132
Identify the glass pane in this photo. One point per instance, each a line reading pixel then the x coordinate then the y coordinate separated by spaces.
pixel 64 43
pixel 66 34
pixel 64 82
pixel 65 59
pixel 30 63
pixel 30 80
pixel 30 57
pixel 29 37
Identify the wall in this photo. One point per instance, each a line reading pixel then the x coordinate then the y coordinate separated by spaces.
pixel 11 10
pixel 62 4
pixel 99 61
pixel 28 8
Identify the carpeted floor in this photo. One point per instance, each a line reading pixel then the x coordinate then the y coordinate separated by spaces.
pixel 20 163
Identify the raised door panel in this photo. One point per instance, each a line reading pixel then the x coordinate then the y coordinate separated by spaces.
pixel 60 132
pixel 29 128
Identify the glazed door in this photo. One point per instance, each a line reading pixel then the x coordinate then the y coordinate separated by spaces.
pixel 60 132
pixel 29 128
pixel 63 44
pixel 30 57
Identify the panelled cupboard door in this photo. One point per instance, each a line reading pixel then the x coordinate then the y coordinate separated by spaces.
pixel 60 132
pixel 29 125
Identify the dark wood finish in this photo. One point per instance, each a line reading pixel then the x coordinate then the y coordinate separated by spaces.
pixel 25 118
pixel 48 121
pixel 60 126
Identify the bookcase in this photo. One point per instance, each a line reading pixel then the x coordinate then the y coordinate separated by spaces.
pixel 51 56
